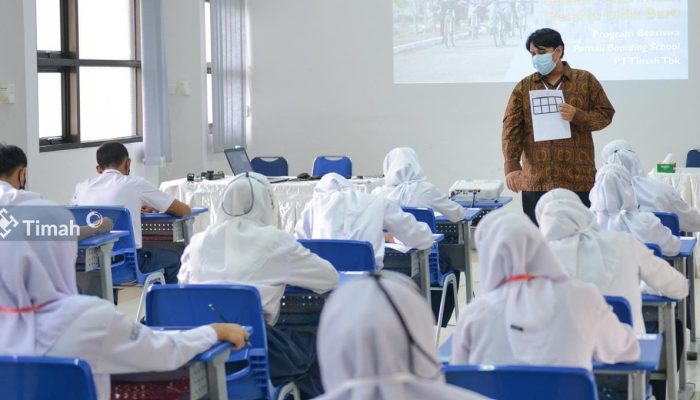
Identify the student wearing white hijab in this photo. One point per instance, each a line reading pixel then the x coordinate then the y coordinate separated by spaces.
pixel 530 311
pixel 41 314
pixel 616 208
pixel 652 195
pixel 406 183
pixel 380 345
pixel 339 211
pixel 247 247
pixel 612 261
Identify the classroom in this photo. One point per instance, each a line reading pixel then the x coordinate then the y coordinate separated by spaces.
pixel 366 199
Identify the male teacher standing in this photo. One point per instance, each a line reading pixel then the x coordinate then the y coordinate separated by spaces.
pixel 533 164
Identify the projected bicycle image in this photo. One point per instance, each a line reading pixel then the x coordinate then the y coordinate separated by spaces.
pixel 446 41
pixel 546 104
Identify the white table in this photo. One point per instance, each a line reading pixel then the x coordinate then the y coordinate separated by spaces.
pixel 291 196
pixel 686 181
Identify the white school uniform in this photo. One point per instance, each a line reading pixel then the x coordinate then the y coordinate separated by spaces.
pixel 112 188
pixel 406 183
pixel 51 319
pixel 338 211
pixel 248 248
pixel 548 320
pixel 363 349
pixel 653 195
pixel 616 208
pixel 613 261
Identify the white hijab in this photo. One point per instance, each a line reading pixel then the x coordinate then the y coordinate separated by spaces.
pixel 363 349
pixel 615 204
pixel 241 240
pixel 38 294
pixel 402 173
pixel 509 246
pixel 651 194
pixel 620 152
pixel 574 236
pixel 339 205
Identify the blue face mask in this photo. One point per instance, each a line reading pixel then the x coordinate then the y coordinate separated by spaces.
pixel 543 63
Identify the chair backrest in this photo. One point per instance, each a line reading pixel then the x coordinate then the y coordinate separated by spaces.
pixel 345 255
pixel 669 220
pixel 423 214
pixel 124 261
pixel 693 159
pixel 188 306
pixel 270 166
pixel 28 377
pixel 524 382
pixel 655 248
pixel 342 165
pixel 621 307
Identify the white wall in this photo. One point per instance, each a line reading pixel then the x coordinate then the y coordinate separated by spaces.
pixel 54 174
pixel 13 117
pixel 322 83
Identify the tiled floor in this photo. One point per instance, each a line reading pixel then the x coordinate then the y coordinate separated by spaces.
pixel 129 299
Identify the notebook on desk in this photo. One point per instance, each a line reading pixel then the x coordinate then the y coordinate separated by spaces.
pixel 240 163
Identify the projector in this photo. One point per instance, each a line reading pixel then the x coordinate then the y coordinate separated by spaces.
pixel 476 190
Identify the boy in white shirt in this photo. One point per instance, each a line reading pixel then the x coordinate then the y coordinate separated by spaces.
pixel 115 187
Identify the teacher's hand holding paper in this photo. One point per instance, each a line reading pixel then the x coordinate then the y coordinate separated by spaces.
pixel 567 111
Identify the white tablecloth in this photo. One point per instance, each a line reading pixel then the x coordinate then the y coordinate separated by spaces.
pixel 290 196
pixel 686 181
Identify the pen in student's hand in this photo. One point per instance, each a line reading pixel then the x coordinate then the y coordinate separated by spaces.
pixel 223 319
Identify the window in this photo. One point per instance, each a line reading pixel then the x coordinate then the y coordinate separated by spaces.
pixel 207 47
pixel 89 72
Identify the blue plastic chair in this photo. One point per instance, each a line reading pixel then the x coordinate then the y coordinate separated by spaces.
pixel 524 382
pixel 655 248
pixel 439 279
pixel 188 306
pixel 621 307
pixel 669 220
pixel 345 255
pixel 28 377
pixel 693 159
pixel 270 166
pixel 125 267
pixel 341 165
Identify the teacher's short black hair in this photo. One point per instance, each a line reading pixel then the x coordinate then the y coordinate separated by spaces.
pixel 111 154
pixel 545 37
pixel 11 157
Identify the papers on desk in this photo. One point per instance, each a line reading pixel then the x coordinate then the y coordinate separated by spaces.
pixel 547 123
pixel 401 248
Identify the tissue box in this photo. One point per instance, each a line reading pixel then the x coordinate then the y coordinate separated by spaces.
pixel 666 168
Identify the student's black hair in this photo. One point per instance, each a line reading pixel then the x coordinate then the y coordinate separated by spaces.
pixel 111 154
pixel 11 157
pixel 545 37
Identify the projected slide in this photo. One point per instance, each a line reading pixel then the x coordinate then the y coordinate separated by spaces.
pixel 443 41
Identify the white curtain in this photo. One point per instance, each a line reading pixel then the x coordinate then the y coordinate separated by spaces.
pixel 228 73
pixel 156 112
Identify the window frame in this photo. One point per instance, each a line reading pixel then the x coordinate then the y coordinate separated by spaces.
pixel 68 63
